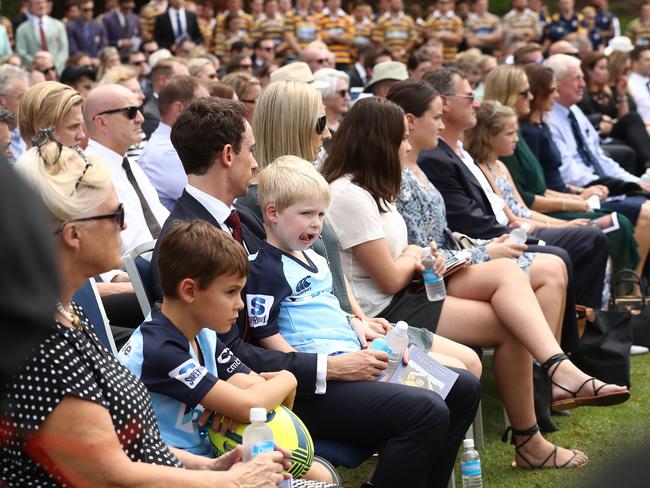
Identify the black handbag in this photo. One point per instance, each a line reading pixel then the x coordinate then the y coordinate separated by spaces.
pixel 604 349
pixel 630 295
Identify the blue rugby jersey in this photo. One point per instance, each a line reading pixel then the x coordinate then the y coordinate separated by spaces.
pixel 161 356
pixel 287 296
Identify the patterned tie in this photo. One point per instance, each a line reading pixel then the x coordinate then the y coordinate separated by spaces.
pixel 234 222
pixel 41 33
pixel 152 223
pixel 583 149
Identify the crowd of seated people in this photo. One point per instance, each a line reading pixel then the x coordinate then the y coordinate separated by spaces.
pixel 261 148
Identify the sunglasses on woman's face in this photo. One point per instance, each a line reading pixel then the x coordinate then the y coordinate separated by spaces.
pixel 321 124
pixel 117 217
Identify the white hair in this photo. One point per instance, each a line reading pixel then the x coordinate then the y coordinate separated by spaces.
pixel 331 77
pixel 8 73
pixel 560 64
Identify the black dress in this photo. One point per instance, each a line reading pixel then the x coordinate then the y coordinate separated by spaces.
pixel 74 362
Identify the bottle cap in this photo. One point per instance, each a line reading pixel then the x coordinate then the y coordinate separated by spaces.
pixel 468 443
pixel 258 414
pixel 401 325
pixel 426 251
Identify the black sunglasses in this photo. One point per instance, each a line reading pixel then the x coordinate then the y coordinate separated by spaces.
pixel 525 93
pixel 321 123
pixel 46 70
pixel 117 217
pixel 131 112
pixel 342 93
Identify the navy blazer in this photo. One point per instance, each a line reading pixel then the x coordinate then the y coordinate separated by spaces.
pixel 77 41
pixel 115 31
pixel 163 32
pixel 468 208
pixel 302 365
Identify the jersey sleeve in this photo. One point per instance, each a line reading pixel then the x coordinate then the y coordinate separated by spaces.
pixel 265 289
pixel 227 363
pixel 169 369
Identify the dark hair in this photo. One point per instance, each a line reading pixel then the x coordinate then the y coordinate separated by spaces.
pixel 416 58
pixel 442 80
pixel 520 52
pixel 366 146
pixel 636 52
pixel 589 61
pixel 203 129
pixel 7 117
pixel 414 96
pixel 74 59
pixel 373 53
pixel 72 74
pixel 219 89
pixel 197 250
pixel 178 89
pixel 229 18
pixel 235 63
pixel 540 78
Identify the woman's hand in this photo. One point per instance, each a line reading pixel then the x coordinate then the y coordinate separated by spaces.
pixel 600 190
pixel 606 125
pixel 227 460
pixel 501 249
pixel 263 471
pixel 576 223
pixel 440 261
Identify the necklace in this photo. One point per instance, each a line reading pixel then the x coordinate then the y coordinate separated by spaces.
pixel 70 316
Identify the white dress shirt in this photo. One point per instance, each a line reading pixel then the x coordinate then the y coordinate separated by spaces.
pixel 173 17
pixel 137 231
pixel 36 22
pixel 638 86
pixel 496 202
pixel 573 169
pixel 160 162
pixel 220 211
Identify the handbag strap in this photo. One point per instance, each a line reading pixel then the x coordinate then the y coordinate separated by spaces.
pixel 625 277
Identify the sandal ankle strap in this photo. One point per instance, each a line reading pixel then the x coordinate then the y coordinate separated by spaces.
pixel 530 432
pixel 553 360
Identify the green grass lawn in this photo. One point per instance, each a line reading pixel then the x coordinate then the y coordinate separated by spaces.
pixel 603 433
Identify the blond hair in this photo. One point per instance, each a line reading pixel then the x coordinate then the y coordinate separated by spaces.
pixel 503 84
pixel 284 121
pixel 45 105
pixel 491 120
pixel 289 180
pixel 69 188
pixel 196 65
pixel 118 74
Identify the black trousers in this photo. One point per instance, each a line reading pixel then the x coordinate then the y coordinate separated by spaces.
pixel 417 433
pixel 631 129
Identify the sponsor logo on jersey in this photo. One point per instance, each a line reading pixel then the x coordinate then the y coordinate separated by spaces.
pixel 189 373
pixel 303 285
pixel 259 308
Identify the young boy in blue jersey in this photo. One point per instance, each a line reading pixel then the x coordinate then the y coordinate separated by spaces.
pixel 177 354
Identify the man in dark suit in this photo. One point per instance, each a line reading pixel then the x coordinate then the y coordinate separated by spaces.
pixel 469 210
pixel 338 399
pixel 85 34
pixel 175 24
pixel 123 27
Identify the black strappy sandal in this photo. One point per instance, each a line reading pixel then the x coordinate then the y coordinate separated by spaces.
pixel 596 400
pixel 530 433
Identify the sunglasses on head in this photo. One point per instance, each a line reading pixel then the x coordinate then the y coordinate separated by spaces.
pixel 131 112
pixel 321 124
pixel 117 217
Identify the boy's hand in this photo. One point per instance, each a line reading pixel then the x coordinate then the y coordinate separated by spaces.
pixel 221 423
pixel 378 325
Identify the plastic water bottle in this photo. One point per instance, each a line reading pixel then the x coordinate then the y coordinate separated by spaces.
pixel 520 234
pixel 380 344
pixel 470 466
pixel 258 437
pixel 397 340
pixel 433 284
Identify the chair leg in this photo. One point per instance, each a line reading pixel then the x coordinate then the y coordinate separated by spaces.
pixel 452 480
pixel 477 427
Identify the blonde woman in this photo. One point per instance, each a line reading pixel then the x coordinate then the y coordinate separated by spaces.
pixel 510 86
pixel 203 69
pixel 95 426
pixel 247 88
pixel 126 76
pixel 52 104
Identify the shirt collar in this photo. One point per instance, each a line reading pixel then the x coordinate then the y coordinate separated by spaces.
pixel 110 157
pixel 219 210
pixel 561 109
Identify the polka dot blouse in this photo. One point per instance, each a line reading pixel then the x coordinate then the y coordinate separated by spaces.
pixel 74 362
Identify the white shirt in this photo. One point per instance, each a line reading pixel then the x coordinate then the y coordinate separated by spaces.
pixel 37 22
pixel 638 87
pixel 220 211
pixel 573 169
pixel 137 231
pixel 173 17
pixel 496 202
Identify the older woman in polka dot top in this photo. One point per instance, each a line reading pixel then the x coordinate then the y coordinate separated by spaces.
pixel 75 416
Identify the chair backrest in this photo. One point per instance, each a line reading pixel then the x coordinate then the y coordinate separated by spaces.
pixel 140 270
pixel 87 297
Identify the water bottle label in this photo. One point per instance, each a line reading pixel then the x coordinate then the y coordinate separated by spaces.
pixel 471 468
pixel 262 447
pixel 428 276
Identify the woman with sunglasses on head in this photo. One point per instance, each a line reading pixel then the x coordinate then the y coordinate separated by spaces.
pixel 511 86
pixel 92 423
pixel 365 178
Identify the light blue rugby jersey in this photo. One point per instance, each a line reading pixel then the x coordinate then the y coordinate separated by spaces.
pixel 287 296
pixel 161 356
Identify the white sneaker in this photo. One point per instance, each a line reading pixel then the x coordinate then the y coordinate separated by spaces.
pixel 637 350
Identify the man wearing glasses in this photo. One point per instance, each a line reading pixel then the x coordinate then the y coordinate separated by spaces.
pixel 114 124
pixel 85 34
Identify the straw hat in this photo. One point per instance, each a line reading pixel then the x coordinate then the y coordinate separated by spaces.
pixel 298 71
pixel 388 70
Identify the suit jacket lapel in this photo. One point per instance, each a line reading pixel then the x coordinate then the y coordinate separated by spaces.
pixel 194 207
